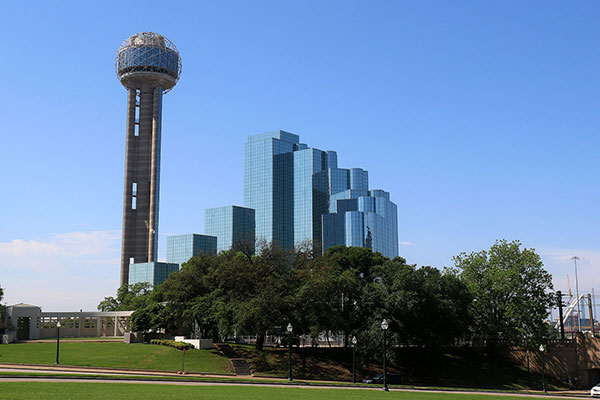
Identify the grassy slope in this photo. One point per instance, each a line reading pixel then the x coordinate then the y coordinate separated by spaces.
pixel 116 355
pixel 457 368
pixel 101 391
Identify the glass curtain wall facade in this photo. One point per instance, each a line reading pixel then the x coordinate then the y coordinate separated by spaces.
pixel 233 226
pixel 300 195
pixel 153 273
pixel 310 195
pixel 268 180
pixel 181 248
pixel 362 220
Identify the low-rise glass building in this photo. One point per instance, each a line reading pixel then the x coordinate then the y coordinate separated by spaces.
pixel 180 248
pixel 233 227
pixel 154 273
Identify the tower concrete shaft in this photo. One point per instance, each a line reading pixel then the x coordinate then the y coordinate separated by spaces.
pixel 142 177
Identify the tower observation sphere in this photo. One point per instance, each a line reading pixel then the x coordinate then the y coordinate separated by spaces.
pixel 148 65
pixel 148 57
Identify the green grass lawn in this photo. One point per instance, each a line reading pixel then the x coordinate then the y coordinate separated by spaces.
pixel 101 391
pixel 116 355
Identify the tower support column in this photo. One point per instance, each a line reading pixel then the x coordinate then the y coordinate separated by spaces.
pixel 155 173
pixel 142 169
pixel 128 217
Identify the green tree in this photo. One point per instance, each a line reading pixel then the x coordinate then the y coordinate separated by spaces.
pixel 511 289
pixel 425 306
pixel 3 323
pixel 1 297
pixel 234 290
pixel 198 293
pixel 354 272
pixel 262 296
pixel 152 316
pixel 129 297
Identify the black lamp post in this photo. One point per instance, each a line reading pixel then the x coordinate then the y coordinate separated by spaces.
pixel 57 339
pixel 354 341
pixel 289 329
pixel 384 327
pixel 542 350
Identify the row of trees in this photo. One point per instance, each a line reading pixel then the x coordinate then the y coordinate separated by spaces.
pixel 3 324
pixel 500 294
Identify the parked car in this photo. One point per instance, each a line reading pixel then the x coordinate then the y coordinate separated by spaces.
pixel 391 379
pixel 595 392
pixel 236 340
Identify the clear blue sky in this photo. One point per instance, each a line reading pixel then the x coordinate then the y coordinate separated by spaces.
pixel 480 117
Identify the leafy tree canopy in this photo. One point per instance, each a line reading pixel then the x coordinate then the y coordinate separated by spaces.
pixel 501 293
pixel 511 289
pixel 129 297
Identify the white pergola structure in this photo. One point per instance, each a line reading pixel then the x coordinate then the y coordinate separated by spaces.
pixel 31 323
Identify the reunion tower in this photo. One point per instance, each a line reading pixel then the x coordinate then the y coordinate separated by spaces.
pixel 148 65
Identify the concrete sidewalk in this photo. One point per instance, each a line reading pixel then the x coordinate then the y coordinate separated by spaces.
pixel 103 371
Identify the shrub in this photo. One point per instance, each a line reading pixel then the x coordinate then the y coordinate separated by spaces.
pixel 172 343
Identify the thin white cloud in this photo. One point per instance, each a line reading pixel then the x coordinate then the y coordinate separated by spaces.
pixel 406 243
pixel 66 271
pixel 37 255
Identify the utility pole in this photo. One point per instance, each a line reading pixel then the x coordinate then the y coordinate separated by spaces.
pixel 560 314
pixel 594 303
pixel 589 297
pixel 575 258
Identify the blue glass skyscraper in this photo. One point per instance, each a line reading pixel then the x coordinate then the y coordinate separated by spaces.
pixel 300 195
pixel 310 194
pixel 268 185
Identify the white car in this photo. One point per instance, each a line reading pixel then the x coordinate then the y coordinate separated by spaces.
pixel 595 392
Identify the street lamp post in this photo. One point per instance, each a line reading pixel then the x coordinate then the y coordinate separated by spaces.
pixel 57 339
pixel 542 350
pixel 289 329
pixel 354 341
pixel 577 294
pixel 384 327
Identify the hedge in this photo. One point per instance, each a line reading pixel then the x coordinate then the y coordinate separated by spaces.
pixel 172 343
